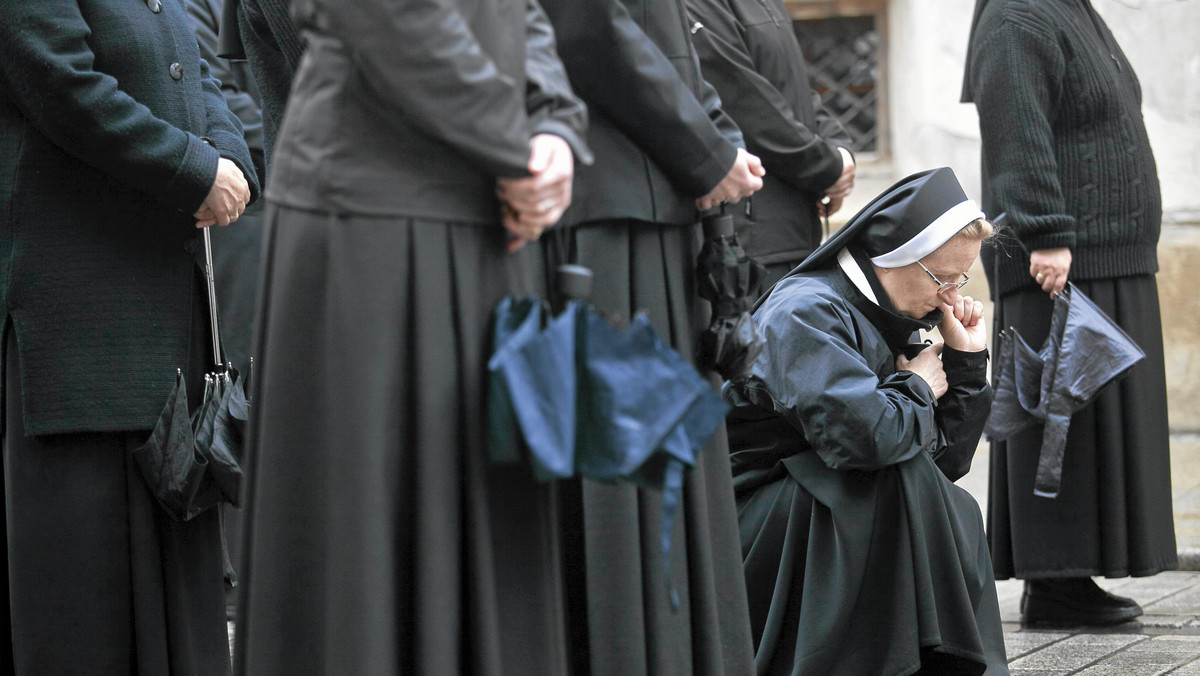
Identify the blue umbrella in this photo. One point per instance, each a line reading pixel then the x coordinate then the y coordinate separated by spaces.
pixel 1084 351
pixel 593 400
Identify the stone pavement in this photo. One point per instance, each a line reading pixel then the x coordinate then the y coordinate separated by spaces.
pixel 1165 640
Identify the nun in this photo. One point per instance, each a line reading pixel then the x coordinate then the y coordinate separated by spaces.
pixel 861 556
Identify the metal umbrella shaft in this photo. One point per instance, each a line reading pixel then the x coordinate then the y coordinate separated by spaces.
pixel 212 298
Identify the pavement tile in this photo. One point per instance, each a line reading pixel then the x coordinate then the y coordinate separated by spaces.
pixel 1020 643
pixel 1189 669
pixel 1075 652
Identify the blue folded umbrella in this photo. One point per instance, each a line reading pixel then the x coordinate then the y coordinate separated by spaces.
pixel 1084 351
pixel 592 400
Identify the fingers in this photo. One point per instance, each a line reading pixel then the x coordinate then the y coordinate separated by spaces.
pixel 754 164
pixel 936 348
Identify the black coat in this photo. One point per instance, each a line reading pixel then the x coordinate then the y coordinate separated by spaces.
pixel 860 555
pixel 273 49
pixel 748 51
pixel 660 137
pixel 368 104
pixel 105 108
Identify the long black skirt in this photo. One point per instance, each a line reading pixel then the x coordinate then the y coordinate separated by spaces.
pixel 621 621
pixel 1113 516
pixel 378 538
pixel 100 579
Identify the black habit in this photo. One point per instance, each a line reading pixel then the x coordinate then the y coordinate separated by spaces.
pixel 379 539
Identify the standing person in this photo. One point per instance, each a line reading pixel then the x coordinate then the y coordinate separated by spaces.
pixel 748 51
pixel 115 145
pixel 235 250
pixel 1066 156
pixel 861 555
pixel 378 539
pixel 663 148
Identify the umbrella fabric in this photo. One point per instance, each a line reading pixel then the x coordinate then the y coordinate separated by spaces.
pixel 596 401
pixel 731 281
pixel 1084 351
pixel 190 462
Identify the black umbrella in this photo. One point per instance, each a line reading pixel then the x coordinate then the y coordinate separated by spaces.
pixel 191 461
pixel 594 400
pixel 1084 351
pixel 730 281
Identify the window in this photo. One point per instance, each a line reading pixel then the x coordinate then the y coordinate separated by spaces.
pixel 844 43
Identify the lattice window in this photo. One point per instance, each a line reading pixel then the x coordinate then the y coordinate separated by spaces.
pixel 844 43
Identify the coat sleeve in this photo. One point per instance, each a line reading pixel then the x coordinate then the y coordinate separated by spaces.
pixel 553 107
pixel 421 57
pixel 962 411
pixel 619 71
pixel 811 374
pixel 225 127
pixel 47 71
pixel 789 149
pixel 206 19
pixel 1017 71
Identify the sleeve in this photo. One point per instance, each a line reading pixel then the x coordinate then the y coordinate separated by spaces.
pixel 619 71
pixel 447 85
pixel 963 411
pixel 206 22
pixel 1018 71
pixel 553 107
pixel 47 71
pixel 789 149
pixel 812 375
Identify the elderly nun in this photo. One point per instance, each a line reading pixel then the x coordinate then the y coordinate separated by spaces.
pixel 861 555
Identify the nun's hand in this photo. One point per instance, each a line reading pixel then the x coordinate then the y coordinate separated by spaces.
pixel 538 201
pixel 928 365
pixel 743 180
pixel 962 325
pixel 1049 269
pixel 227 198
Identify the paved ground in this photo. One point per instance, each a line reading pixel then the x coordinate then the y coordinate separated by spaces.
pixel 1166 640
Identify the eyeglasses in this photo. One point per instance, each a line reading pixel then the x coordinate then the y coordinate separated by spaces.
pixel 942 286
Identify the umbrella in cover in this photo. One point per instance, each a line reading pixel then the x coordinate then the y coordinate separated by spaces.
pixel 730 281
pixel 1084 351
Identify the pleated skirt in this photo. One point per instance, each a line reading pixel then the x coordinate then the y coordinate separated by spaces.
pixel 1113 516
pixel 620 619
pixel 378 539
pixel 100 580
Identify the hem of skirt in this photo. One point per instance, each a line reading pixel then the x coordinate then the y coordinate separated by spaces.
pixel 1092 572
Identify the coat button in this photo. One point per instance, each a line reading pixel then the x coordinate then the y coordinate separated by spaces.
pixel 177 71
pixel 191 246
pixel 154 5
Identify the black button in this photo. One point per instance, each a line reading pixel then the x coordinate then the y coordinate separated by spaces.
pixel 177 71
pixel 154 5
pixel 191 246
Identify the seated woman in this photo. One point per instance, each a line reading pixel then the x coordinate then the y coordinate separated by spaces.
pixel 861 556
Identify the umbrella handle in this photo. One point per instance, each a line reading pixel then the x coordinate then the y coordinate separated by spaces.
pixel 212 298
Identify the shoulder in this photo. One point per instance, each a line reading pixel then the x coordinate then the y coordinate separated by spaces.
pixel 809 299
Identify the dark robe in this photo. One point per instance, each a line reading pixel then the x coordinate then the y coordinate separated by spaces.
pixel 379 539
pixel 661 140
pixel 749 52
pixel 861 556
pixel 1066 155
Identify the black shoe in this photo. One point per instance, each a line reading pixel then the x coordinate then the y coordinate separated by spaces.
pixel 1075 600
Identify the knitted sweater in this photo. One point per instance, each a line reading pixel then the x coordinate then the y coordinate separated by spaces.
pixel 1065 150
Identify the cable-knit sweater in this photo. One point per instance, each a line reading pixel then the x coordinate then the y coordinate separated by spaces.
pixel 1065 150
